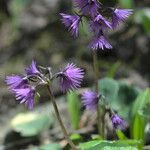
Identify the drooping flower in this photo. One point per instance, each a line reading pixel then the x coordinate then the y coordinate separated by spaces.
pixel 119 15
pixel 87 7
pixel 70 77
pixel 99 24
pixel 117 122
pixel 71 22
pixel 100 42
pixel 25 95
pixel 32 69
pixel 90 100
pixel 16 81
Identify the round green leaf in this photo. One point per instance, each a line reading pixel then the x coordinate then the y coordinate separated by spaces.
pixel 31 124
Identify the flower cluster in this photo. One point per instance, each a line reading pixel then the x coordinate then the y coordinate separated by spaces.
pixel 21 85
pixel 90 100
pixel 101 18
pixel 117 122
pixel 70 77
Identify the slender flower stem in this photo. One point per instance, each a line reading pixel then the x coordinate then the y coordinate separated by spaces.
pixel 100 113
pixel 95 65
pixel 103 123
pixel 99 120
pixel 59 119
pixel 96 70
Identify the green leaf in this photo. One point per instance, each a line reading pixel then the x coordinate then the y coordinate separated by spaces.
pixel 138 121
pixel 106 145
pixel 127 93
pixel 74 109
pixel 109 88
pixel 88 145
pixel 119 96
pixel 31 124
pixel 119 148
pixel 137 130
pixel 145 111
pixel 130 142
pixel 121 135
pixel 141 100
pixel 126 96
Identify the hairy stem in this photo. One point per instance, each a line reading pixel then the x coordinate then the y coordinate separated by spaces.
pixel 59 119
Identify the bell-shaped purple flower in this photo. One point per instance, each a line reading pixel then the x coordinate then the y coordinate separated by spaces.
pixel 119 15
pixel 25 95
pixel 100 42
pixel 90 100
pixel 87 7
pixel 99 24
pixel 70 77
pixel 71 22
pixel 32 69
pixel 15 81
pixel 117 122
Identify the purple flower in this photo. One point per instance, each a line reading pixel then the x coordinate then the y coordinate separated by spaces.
pixel 90 100
pixel 99 24
pixel 25 95
pixel 71 22
pixel 70 78
pixel 32 69
pixel 100 42
pixel 117 122
pixel 16 81
pixel 87 7
pixel 119 15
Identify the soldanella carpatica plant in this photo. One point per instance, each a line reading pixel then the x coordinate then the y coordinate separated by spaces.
pixel 24 87
pixel 100 20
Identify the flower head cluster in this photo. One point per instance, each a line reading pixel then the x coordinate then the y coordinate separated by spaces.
pixel 20 85
pixel 100 19
pixel 70 77
pixel 117 122
pixel 90 100
pixel 72 22
pixel 120 15
pixel 100 43
pixel 25 95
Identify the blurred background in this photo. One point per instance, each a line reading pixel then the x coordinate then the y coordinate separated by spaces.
pixel 31 29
